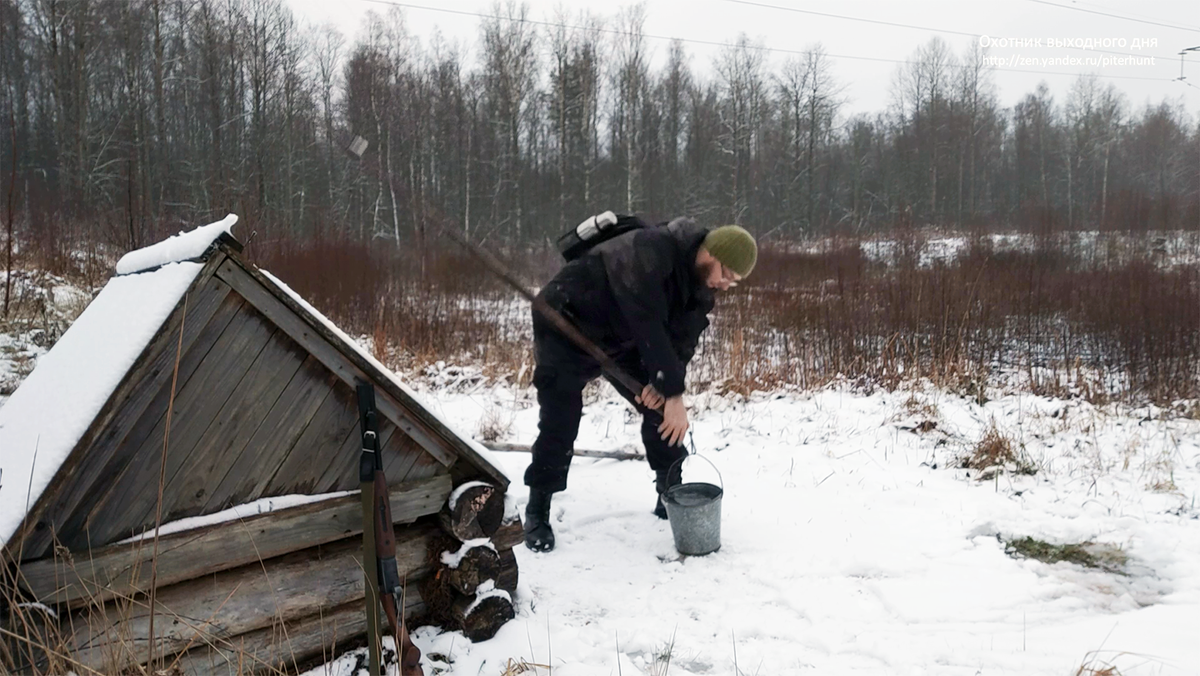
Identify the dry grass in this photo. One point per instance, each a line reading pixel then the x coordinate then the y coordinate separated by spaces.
pixel 41 641
pixel 992 450
pixel 1099 556
pixel 1102 322
pixel 915 405
pixel 448 311
pixel 1094 669
pixel 494 425
pixel 1190 410
pixel 996 452
pixel 1095 665
pixel 661 660
pixel 517 667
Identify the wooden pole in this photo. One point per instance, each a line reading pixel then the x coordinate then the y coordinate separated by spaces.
pixel 565 327
pixel 579 452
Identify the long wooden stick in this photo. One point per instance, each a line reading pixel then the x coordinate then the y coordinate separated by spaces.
pixel 162 476
pixel 581 452
pixel 565 327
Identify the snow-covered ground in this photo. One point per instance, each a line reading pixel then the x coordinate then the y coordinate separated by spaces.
pixel 853 543
pixel 41 308
pixel 1168 249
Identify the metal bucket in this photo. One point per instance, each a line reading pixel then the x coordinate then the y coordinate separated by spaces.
pixel 694 510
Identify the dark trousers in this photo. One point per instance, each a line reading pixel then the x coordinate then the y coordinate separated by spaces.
pixel 561 372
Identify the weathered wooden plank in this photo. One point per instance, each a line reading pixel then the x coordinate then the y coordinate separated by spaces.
pixel 578 452
pixel 219 447
pixel 124 570
pixel 343 473
pixel 122 449
pixel 142 392
pixel 237 601
pixel 339 459
pixel 253 470
pixel 317 447
pixel 425 466
pixel 120 511
pixel 287 647
pixel 401 453
pixel 393 401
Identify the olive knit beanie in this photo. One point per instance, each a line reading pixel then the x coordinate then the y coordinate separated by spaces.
pixel 733 247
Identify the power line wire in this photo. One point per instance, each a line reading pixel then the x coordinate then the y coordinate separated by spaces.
pixel 1131 14
pixel 797 10
pixel 851 18
pixel 1116 16
pixel 713 43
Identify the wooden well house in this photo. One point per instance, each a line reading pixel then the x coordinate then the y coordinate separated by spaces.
pixel 249 396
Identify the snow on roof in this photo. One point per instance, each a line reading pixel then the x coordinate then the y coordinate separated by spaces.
pixel 182 247
pixel 466 438
pixel 51 410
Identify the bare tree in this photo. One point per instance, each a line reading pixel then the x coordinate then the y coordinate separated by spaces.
pixel 1093 116
pixel 740 72
pixel 629 83
pixel 809 100
pixel 673 89
pixel 509 68
pixel 327 62
pixel 128 119
pixel 977 97
pixel 920 91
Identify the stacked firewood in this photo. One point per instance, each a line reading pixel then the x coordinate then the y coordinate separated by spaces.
pixel 476 570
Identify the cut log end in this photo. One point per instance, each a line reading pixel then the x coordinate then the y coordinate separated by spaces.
pixel 509 573
pixel 477 513
pixel 509 535
pixel 474 567
pixel 481 620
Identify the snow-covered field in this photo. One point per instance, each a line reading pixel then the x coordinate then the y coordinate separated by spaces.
pixel 42 306
pixel 1167 249
pixel 853 544
pixel 853 540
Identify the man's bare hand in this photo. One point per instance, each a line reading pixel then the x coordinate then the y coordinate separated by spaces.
pixel 675 421
pixel 650 398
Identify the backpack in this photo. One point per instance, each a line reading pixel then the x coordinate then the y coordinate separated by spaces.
pixel 596 229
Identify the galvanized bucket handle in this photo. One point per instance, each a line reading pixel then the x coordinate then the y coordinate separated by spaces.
pixel 679 463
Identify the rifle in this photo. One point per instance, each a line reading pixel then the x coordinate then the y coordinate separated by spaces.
pixel 382 576
pixel 559 322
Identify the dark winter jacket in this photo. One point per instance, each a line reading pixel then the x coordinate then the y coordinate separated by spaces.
pixel 640 291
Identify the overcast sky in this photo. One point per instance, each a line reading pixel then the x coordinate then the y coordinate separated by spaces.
pixel 1175 24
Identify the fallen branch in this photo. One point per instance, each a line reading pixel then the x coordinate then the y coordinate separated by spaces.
pixel 580 452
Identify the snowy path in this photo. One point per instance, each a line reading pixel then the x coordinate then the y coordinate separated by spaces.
pixel 846 552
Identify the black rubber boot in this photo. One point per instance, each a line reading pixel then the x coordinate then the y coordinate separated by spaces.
pixel 662 482
pixel 539 536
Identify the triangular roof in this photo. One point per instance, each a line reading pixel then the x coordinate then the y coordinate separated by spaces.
pixel 107 368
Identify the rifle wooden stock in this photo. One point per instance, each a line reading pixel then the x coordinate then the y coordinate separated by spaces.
pixel 389 582
pixel 383 577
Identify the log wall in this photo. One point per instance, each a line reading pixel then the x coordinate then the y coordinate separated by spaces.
pixel 124 570
pixel 217 611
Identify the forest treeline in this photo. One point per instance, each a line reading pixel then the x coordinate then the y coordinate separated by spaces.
pixel 127 119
